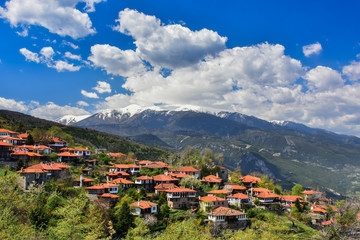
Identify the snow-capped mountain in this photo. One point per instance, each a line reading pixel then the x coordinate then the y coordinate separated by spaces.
pixel 71 119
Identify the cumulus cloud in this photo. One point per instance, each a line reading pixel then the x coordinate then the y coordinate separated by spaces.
pixel 82 103
pixel 102 87
pixel 72 56
pixel 52 111
pixel 312 49
pixel 116 61
pixel 47 52
pixel 89 94
pixel 352 71
pixel 62 66
pixel 59 17
pixel 29 55
pixel 324 78
pixel 169 46
pixel 11 104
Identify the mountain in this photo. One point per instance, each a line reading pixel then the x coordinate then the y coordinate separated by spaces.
pixel 287 151
pixel 71 119
pixel 21 122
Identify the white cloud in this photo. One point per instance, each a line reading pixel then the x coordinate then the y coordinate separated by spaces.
pixel 66 43
pixel 352 71
pixel 116 61
pixel 312 49
pixel 11 104
pixel 47 52
pixel 24 32
pixel 52 111
pixel 62 66
pixel 89 94
pixel 324 78
pixel 102 87
pixel 169 46
pixel 82 103
pixel 58 16
pixel 29 55
pixel 72 56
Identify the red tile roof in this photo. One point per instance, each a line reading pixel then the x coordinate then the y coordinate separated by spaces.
pixel 102 186
pixel 220 191
pixel 22 153
pixel 67 154
pixel 32 171
pixel 234 186
pixel 121 181
pixel 180 190
pixel 23 135
pixel 118 173
pixel 250 179
pixel 212 199
pixel 211 179
pixel 108 195
pixel 143 204
pixel 164 178
pixel 125 166
pixel 238 195
pixel 224 211
pixel 310 192
pixel 290 198
pixel 4 144
pixel 144 178
pixel 165 186
pixel 8 131
pixel 185 169
pixel 267 195
pixel 318 210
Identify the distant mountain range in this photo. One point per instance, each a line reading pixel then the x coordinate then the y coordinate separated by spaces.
pixel 286 150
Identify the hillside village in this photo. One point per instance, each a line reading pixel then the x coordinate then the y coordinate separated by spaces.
pixel 155 190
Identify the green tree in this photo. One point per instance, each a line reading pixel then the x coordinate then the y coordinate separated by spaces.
pixel 30 140
pixel 123 219
pixel 297 190
pixel 190 182
pixel 104 158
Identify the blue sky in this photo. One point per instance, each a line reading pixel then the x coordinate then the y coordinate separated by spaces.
pixel 276 60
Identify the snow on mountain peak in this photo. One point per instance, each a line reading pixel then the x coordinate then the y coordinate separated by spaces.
pixel 71 119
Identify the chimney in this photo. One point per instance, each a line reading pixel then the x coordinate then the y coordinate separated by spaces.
pixel 251 191
pixel 166 173
pixel 107 178
pixel 139 203
pixel 81 180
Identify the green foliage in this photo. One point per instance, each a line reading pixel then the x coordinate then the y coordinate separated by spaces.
pixel 162 199
pixel 30 140
pixel 165 210
pixel 123 219
pixel 190 182
pixel 103 158
pixel 150 172
pixel 53 156
pixel 139 231
pixel 297 190
pixel 19 164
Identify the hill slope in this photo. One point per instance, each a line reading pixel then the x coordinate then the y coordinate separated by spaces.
pixel 288 151
pixel 21 122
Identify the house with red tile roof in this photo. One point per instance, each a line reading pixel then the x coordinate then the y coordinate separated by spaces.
pixel 208 203
pixel 23 136
pixel 227 217
pixel 26 156
pixel 39 174
pixel 140 208
pixel 8 133
pixel 165 178
pixel 145 182
pixel 13 140
pixel 181 198
pixel 312 196
pixel 123 183
pixel 115 175
pixel 163 187
pixel 110 198
pixel 129 168
pixel 5 151
pixel 68 157
pixel 220 191
pixel 83 181
pixel 255 191
pixel 82 152
pixel 289 199
pixel 102 188
pixel 239 199
pixel 249 181
pixel 235 188
pixel 267 197
pixel 57 143
pixel 187 170
pixel 212 180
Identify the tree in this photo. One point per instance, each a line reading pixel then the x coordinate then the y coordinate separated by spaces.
pixel 162 199
pixel 190 182
pixel 123 219
pixel 104 158
pixel 297 190
pixel 30 140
